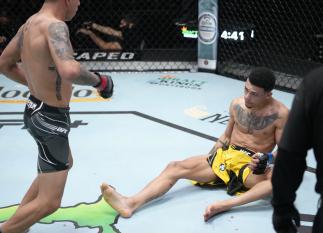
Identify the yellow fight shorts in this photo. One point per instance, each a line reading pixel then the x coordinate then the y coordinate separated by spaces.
pixel 231 166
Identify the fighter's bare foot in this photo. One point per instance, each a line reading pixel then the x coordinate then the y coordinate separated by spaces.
pixel 116 200
pixel 214 209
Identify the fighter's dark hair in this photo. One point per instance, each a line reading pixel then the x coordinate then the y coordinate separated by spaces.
pixel 262 77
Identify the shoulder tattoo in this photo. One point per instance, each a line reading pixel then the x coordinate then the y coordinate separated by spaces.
pixel 59 38
pixel 251 121
pixel 20 35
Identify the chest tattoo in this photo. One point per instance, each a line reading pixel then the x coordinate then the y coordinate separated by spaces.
pixel 251 121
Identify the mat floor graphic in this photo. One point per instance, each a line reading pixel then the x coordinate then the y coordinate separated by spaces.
pixel 126 142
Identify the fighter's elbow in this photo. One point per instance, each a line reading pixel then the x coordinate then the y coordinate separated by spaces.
pixel 3 67
pixel 70 72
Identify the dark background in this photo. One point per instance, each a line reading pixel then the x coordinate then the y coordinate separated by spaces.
pixel 288 33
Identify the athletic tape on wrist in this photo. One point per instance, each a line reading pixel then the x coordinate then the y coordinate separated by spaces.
pixel 97 85
pixel 270 158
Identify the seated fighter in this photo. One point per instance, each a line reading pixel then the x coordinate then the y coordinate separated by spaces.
pixel 239 158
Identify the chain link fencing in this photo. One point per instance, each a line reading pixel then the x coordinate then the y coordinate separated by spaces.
pixel 154 35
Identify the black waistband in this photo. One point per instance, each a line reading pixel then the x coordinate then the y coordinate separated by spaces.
pixel 242 149
pixel 35 103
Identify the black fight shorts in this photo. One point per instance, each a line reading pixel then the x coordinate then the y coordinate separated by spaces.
pixel 50 127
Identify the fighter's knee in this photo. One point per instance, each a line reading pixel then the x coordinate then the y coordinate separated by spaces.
pixel 176 169
pixel 49 206
pixel 174 165
pixel 52 206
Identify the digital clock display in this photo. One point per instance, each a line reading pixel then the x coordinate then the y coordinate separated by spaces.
pixel 237 35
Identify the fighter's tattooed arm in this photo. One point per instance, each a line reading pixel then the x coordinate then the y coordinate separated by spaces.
pixel 59 39
pixel 23 29
pixel 86 78
pixel 253 122
pixel 20 36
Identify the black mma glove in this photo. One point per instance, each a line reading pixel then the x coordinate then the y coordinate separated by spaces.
pixel 105 86
pixel 264 160
pixel 286 219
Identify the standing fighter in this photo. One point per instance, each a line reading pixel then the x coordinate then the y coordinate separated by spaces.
pixel 49 70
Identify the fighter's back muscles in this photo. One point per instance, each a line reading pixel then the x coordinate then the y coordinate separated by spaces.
pixel 62 54
pixel 47 56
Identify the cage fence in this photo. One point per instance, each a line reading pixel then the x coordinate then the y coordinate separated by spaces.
pixel 152 35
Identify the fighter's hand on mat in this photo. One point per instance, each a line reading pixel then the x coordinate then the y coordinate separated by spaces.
pixel 105 86
pixel 286 219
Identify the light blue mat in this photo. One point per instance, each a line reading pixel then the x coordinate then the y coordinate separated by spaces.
pixel 152 119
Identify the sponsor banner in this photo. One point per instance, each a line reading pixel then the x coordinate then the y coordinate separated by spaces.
pixel 208 34
pixel 173 81
pixel 18 94
pixel 105 56
pixel 201 113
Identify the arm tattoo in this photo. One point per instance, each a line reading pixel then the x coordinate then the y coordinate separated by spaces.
pixel 20 35
pixel 59 38
pixel 253 122
pixel 225 144
pixel 58 86
pixel 86 78
pixel 58 83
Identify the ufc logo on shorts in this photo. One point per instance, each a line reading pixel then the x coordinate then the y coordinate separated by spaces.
pixel 31 105
pixel 61 130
